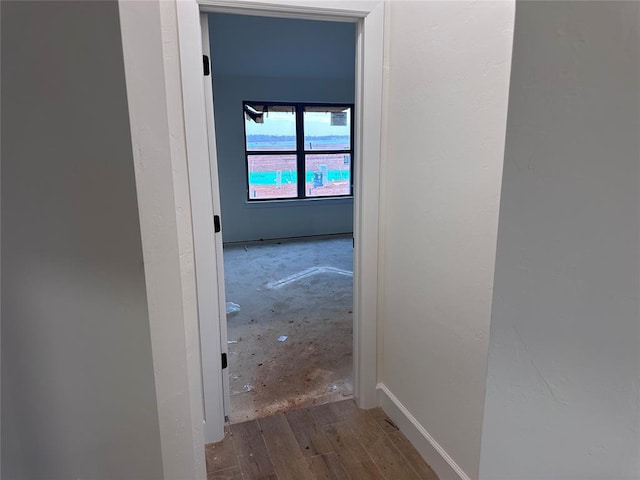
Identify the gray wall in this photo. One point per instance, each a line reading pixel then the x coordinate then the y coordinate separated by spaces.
pixel 269 59
pixel 78 395
pixel 564 359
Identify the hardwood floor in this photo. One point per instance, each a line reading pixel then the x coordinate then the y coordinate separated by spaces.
pixel 332 441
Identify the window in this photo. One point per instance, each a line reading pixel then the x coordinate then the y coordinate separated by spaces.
pixel 298 151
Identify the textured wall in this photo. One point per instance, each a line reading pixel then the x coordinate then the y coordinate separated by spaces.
pixel 562 391
pixel 448 83
pixel 78 395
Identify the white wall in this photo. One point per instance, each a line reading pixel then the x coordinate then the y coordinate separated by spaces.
pixel 448 72
pixel 562 391
pixel 275 59
pixel 78 398
pixel 154 46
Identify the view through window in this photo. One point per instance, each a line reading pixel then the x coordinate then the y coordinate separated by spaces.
pixel 298 150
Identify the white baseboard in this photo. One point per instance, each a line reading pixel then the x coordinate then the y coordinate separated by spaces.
pixel 437 458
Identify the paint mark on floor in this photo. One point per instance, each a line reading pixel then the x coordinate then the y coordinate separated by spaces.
pixel 307 273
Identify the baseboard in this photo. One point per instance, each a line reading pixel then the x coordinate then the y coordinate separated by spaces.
pixel 437 458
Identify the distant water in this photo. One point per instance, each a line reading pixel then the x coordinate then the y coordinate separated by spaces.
pixel 273 142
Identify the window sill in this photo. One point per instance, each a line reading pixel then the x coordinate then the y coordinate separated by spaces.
pixel 298 202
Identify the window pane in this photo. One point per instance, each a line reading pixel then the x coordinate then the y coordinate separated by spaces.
pixel 328 175
pixel 272 176
pixel 327 128
pixel 270 127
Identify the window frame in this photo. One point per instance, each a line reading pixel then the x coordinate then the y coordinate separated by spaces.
pixel 299 152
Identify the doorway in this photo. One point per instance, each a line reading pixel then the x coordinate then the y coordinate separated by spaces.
pixel 163 40
pixel 285 89
pixel 204 202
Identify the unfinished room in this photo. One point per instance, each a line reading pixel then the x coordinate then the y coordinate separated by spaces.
pixel 283 95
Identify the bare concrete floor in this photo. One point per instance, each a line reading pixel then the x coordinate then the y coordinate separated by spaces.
pixel 300 289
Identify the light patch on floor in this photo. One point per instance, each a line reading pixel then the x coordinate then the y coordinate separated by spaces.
pixel 306 273
pixel 301 290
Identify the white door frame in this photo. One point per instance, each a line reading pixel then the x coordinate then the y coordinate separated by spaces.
pixel 367 145
pixel 163 69
pixel 368 17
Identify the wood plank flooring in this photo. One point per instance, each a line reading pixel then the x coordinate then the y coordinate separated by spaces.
pixel 336 441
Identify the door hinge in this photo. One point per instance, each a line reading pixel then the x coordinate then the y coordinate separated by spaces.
pixel 207 68
pixel 216 223
pixel 224 361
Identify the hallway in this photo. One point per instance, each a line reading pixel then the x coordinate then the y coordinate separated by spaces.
pixel 332 441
